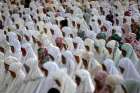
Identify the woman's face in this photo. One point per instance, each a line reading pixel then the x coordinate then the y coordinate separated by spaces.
pixel 124 53
pixel 45 71
pixel 104 67
pixel 63 60
pixel 121 69
pixel 77 80
pixel 96 48
pixel 87 48
pixel 27 68
pixel 12 49
pixel 106 89
pixel 23 50
pixel 109 50
pixel 77 58
pixel 58 83
pixel 6 66
pixel 2 49
pixel 75 45
pixel 13 74
pixel 85 62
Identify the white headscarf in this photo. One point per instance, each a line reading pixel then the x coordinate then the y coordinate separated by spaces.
pixel 12 37
pixel 79 41
pixel 17 47
pixel 86 85
pixel 70 62
pixel 67 31
pixel 90 43
pixel 50 67
pixel 35 71
pixel 18 81
pixel 30 25
pixel 67 84
pixel 48 82
pixel 55 52
pixel 57 32
pixel 10 59
pixel 33 78
pixel 103 52
pixel 110 66
pixel 130 52
pixel 130 71
pixel 29 52
pixel 116 53
pixel 68 41
pixel 8 78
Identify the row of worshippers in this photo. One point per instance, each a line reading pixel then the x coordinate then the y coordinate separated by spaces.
pixel 69 47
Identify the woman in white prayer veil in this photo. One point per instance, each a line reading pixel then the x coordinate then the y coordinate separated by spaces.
pixel 128 69
pixel 33 78
pixel 27 18
pixel 65 83
pixel 79 42
pixel 68 43
pixel 95 26
pixel 128 51
pixel 16 72
pixel 67 31
pixel 109 67
pixel 30 25
pixel 7 77
pixel 15 45
pixel 47 31
pixel 15 50
pixel 57 32
pixel 54 52
pixel 100 51
pixel 27 52
pixel 84 82
pixel 47 82
pixel 114 51
pixel 68 62
pixel 12 36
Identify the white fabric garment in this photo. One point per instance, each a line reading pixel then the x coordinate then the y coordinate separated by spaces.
pixel 79 41
pixel 30 25
pixel 90 43
pixel 116 53
pixel 8 79
pixel 2 37
pixel 86 85
pixel 33 78
pixel 94 66
pixel 108 25
pixel 29 52
pixel 70 62
pixel 57 32
pixel 17 48
pixel 67 84
pixel 103 52
pixel 18 80
pixel 69 43
pixel 94 25
pixel 47 82
pixel 130 72
pixel 55 52
pixel 67 31
pixel 110 66
pixel 12 37
pixel 130 53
